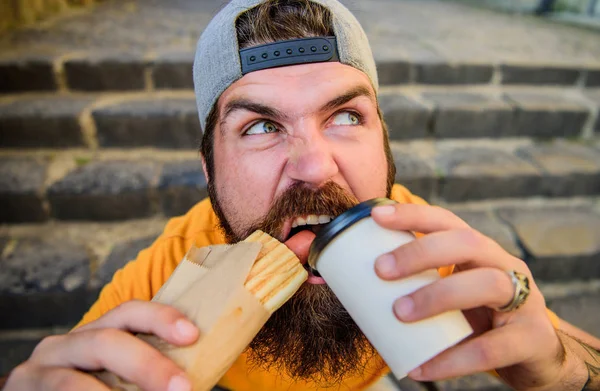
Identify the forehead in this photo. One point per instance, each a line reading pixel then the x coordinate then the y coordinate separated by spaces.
pixel 290 86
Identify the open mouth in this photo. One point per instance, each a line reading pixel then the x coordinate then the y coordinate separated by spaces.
pixel 313 223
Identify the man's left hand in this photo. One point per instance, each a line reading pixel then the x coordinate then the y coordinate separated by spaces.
pixel 521 345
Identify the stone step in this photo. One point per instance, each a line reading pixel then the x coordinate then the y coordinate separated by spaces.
pixel 52 272
pixel 413 43
pixel 172 70
pixel 110 184
pixel 79 185
pixel 169 120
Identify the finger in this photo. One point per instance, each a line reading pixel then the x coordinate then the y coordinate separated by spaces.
pixel 497 348
pixel 416 218
pixel 466 248
pixel 64 379
pixel 150 318
pixel 27 377
pixel 111 349
pixel 482 287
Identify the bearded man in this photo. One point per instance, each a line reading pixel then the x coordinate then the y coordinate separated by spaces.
pixel 293 135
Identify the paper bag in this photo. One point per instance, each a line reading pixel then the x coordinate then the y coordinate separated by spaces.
pixel 208 287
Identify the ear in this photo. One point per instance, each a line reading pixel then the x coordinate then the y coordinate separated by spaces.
pixel 204 168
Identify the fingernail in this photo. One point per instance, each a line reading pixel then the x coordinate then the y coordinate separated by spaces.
pixel 416 374
pixel 179 383
pixel 385 210
pixel 404 306
pixel 385 264
pixel 185 328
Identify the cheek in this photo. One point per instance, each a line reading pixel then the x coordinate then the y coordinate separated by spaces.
pixel 245 184
pixel 364 168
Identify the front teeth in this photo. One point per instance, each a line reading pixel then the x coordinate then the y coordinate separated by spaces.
pixel 324 219
pixel 311 220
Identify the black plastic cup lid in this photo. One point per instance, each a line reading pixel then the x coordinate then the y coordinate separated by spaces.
pixel 340 223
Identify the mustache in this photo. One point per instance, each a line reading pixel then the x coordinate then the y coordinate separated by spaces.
pixel 298 200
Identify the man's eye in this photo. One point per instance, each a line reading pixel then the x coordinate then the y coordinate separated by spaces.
pixel 262 127
pixel 346 118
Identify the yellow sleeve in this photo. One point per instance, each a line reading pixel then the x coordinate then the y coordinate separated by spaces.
pixel 553 318
pixel 404 196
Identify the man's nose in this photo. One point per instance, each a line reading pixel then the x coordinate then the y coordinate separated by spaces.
pixel 311 160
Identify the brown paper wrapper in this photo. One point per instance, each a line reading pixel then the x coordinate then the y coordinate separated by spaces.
pixel 208 287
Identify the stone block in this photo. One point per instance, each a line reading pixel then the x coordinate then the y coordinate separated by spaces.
pixel 173 70
pixel 594 97
pixel 164 123
pixel 4 240
pixel 446 73
pixel 492 228
pixel 48 309
pixel 181 186
pixel 14 352
pixel 542 114
pixel 406 118
pixel 21 190
pixel 581 310
pixel 482 173
pixel 413 172
pixel 567 169
pixel 21 74
pixel 118 257
pixel 478 382
pixel 592 78
pixel 393 72
pixel 42 122
pixel 538 75
pixel 106 71
pixel 112 190
pixel 43 283
pixel 561 243
pixel 463 114
pixel 35 266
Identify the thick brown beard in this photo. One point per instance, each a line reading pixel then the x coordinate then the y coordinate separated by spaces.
pixel 311 337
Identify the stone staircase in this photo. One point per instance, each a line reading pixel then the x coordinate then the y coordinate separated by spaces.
pixel 99 136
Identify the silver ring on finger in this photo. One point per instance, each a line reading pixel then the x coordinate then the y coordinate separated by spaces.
pixel 521 291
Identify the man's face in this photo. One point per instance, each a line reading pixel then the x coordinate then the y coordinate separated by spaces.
pixel 305 124
pixel 290 143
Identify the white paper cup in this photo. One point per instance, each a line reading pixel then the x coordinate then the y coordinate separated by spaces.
pixel 344 254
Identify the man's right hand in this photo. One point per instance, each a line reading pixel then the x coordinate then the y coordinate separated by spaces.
pixel 58 362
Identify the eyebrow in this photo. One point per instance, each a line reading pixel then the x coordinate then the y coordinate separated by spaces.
pixel 267 111
pixel 347 97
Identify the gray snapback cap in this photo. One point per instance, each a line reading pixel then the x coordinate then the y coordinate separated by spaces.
pixel 218 62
